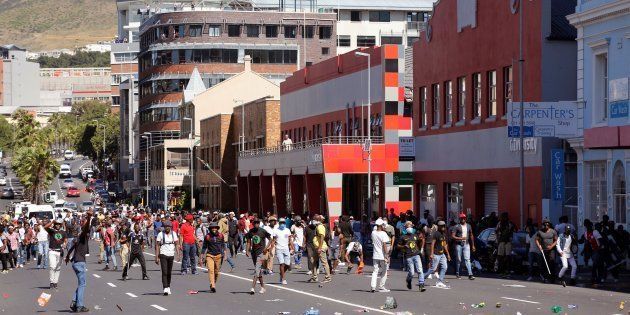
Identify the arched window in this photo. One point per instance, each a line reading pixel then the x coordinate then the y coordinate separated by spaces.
pixel 619 193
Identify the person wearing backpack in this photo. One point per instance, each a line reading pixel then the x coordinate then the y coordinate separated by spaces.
pixel 463 237
pixel 165 251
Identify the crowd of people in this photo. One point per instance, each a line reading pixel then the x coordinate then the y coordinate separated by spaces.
pixel 425 248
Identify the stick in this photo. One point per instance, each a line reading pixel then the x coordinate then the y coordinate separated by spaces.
pixel 545 259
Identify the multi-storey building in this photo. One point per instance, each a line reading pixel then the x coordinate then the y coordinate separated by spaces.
pixel 17 78
pixel 65 86
pixel 603 152
pixel 465 74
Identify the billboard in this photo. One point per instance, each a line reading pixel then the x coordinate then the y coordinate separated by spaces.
pixel 544 119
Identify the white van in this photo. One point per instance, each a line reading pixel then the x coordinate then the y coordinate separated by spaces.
pixel 65 171
pixel 41 212
pixel 68 155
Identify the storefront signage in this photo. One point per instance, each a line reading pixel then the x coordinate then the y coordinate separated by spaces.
pixel 619 109
pixel 543 119
pixel 530 145
pixel 407 148
pixel 557 174
pixel 403 178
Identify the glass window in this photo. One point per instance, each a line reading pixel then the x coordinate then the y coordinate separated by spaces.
pixel 355 16
pixel 271 31
pixel 325 32
pixel 476 95
pixel 411 40
pixel 366 41
pixel 214 30
pixel 181 32
pixel 492 93
pixel 423 107
pixel 427 198
pixel 597 190
pixel 379 16
pixel 600 82
pixel 195 30
pixel 436 104
pixel 290 31
pixel 310 31
pixel 454 200
pixel 507 87
pixel 396 40
pixel 325 50
pixel 253 30
pixel 461 89
pixel 344 40
pixel 448 102
pixel 234 30
pixel 619 194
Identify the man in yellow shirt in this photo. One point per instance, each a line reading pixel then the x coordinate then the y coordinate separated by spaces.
pixel 321 250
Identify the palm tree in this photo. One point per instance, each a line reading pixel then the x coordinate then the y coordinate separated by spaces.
pixel 36 169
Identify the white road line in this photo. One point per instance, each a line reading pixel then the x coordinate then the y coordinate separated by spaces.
pixel 131 295
pixel 524 301
pixel 111 284
pixel 514 285
pixel 96 276
pixel 159 307
pixel 296 291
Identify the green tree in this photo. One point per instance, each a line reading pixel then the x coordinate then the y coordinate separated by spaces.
pixel 6 135
pixel 36 169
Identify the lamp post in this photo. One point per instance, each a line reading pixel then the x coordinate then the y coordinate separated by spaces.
pixel 242 123
pixel 147 176
pixel 192 183
pixel 520 96
pixel 368 144
pixel 102 156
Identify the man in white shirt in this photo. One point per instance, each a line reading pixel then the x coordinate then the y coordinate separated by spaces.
pixel 287 143
pixel 282 238
pixel 380 255
pixel 298 241
pixel 564 244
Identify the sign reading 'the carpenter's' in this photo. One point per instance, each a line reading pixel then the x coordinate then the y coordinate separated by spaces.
pixel 543 119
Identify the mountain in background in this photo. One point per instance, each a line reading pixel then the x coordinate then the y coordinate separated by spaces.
pixel 39 25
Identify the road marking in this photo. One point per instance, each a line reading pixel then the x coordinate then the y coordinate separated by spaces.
pixel 111 284
pixel 514 285
pixel 96 276
pixel 295 291
pixel 524 301
pixel 131 295
pixel 159 307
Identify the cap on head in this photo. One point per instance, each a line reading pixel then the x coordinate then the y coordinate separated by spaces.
pixel 282 220
pixel 441 223
pixel 272 218
pixel 462 216
pixel 189 217
pixel 379 222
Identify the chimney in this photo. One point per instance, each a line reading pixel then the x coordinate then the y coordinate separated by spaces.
pixel 248 63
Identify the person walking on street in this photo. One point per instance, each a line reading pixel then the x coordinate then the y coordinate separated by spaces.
pixel 42 247
pixel 533 252
pixel 565 246
pixel 505 232
pixel 282 239
pixel 224 229
pixel 213 250
pixel 123 237
pixel 188 245
pixel 258 248
pixel 14 244
pixel 546 239
pixel 57 244
pixel 380 256
pixel 320 251
pixel 464 239
pixel 165 251
pixel 439 253
pixel 298 241
pixel 136 240
pixel 109 244
pixel 78 250
pixel 411 245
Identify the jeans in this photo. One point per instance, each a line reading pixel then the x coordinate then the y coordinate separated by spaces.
pixel 439 260
pixel 110 254
pixel 463 250
pixel 22 255
pixel 42 254
pixel 298 254
pixel 229 259
pixel 241 244
pixel 414 264
pixel 188 257
pixel 79 271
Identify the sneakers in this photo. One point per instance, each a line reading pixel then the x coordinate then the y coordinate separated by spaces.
pixel 529 278
pixel 326 280
pixel 564 284
pixel 471 277
pixel 409 284
pixel 165 291
pixel 458 277
pixel 252 291
pixel 349 269
pixel 309 273
pixel 373 290
pixel 73 306
pixel 440 285
pixel 284 282
pixel 83 309
pixel 145 277
pixel 430 276
pixel 383 290
pixel 106 268
pixel 421 287
pixel 262 290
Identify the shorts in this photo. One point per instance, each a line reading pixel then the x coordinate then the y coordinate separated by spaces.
pixel 284 256
pixel 334 253
pixel 505 249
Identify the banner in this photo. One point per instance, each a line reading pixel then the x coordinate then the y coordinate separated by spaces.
pixel 557 174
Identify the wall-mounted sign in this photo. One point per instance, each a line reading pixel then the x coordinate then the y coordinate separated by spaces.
pixel 544 119
pixel 557 174
pixel 403 178
pixel 619 109
pixel 406 148
pixel 529 144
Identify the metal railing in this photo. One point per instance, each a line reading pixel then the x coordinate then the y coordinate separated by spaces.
pixel 305 145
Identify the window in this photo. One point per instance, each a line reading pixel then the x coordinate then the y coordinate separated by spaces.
pixel 325 50
pixel 366 41
pixel 344 40
pixel 234 30
pixel 454 200
pixel 436 104
pixel 411 40
pixel 195 30
pixel 181 31
pixel 423 107
pixel 597 191
pixel 355 16
pixel 619 193
pixel 379 16
pixel 448 102
pixel 461 89
pixel 214 30
pixel 253 30
pixel 272 56
pixel 271 31
pixel 325 32
pixel 492 93
pixel 396 40
pixel 310 31
pixel 427 198
pixel 600 82
pixel 290 31
pixel 476 95
pixel 507 87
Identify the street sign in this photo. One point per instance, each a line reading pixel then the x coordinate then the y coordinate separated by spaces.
pixel 406 148
pixel 619 109
pixel 403 178
pixel 544 119
pixel 557 174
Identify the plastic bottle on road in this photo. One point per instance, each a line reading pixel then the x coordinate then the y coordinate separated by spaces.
pixel 312 311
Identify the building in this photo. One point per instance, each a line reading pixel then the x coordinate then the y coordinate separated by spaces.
pixel 324 110
pixel 603 152
pixel 66 86
pixel 19 78
pixel 463 82
pixel 170 172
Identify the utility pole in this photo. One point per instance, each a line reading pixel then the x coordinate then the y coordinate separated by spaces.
pixel 521 7
pixel 368 144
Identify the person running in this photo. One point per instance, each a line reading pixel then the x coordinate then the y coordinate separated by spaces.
pixel 57 244
pixel 188 245
pixel 258 247
pixel 546 239
pixel 439 253
pixel 380 256
pixel 564 246
pixel 78 251
pixel 505 231
pixel 354 254
pixel 410 245
pixel 213 250
pixel 464 239
pixel 320 251
pixel 165 251
pixel 282 239
pixel 137 241
pixel 593 241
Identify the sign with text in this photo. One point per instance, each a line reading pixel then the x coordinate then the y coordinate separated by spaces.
pixel 619 109
pixel 543 119
pixel 406 148
pixel 403 178
pixel 557 174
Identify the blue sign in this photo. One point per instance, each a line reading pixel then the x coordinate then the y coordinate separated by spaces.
pixel 557 174
pixel 619 109
pixel 514 131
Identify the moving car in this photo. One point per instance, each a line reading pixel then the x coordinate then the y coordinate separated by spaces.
pixel 70 205
pixel 73 192
pixel 86 205
pixel 67 183
pixel 7 193
pixel 68 155
pixel 65 171
pixel 50 196
pixel 59 203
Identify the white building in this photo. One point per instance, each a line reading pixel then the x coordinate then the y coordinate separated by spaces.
pixel 19 78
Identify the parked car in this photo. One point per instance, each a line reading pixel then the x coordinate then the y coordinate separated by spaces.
pixel 3 181
pixel 7 193
pixel 486 243
pixel 67 183
pixel 73 192
pixel 70 205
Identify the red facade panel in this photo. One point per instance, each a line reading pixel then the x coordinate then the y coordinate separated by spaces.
pixel 602 137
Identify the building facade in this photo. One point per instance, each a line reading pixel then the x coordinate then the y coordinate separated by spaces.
pixel 603 152
pixel 66 86
pixel 18 78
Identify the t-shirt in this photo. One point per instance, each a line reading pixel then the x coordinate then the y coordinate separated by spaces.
pixel 42 235
pixel 504 232
pixel 440 242
pixel 592 238
pixel 5 247
pixel 320 233
pixel 136 241
pixel 167 243
pixel 187 232
pixel 546 238
pixel 354 247
pixel 257 237
pixel 298 234
pixel 462 231
pixel 214 244
pixel 56 238
pixel 410 245
pixel 390 230
pixel 310 234
pixel 157 227
pixel 378 239
pixel 282 238
pixel 175 225
pixel 81 248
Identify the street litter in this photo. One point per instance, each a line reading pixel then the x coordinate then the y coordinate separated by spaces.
pixel 275 300
pixel 311 311
pixel 119 307
pixel 556 309
pixel 514 285
pixel 480 305
pixel 193 292
pixel 43 299
pixel 403 313
pixel 571 306
pixel 622 305
pixel 337 313
pixel 96 307
pixel 284 313
pixel 498 305
pixel 390 303
pixel 362 310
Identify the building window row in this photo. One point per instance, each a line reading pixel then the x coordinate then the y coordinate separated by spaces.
pixel 187 56
pixel 162 86
pixel 337 128
pixel 159 115
pixel 272 56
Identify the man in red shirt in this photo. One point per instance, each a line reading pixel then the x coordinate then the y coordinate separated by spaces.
pixel 175 222
pixel 188 244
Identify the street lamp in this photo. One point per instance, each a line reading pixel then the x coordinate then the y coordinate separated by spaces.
pixel 368 143
pixel 192 183
pixel 103 156
pixel 146 174
pixel 242 123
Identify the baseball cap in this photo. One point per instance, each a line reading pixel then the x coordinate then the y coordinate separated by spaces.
pixel 189 217
pixel 282 220
pixel 441 223
pixel 379 221
pixel 272 218
pixel 462 216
